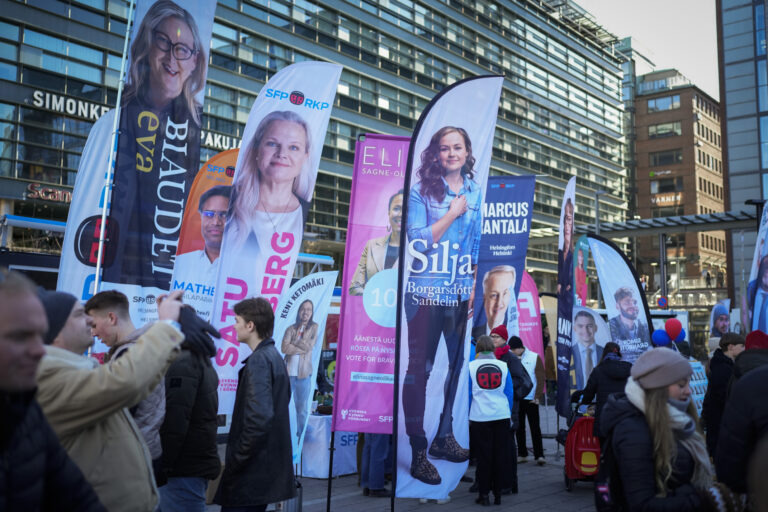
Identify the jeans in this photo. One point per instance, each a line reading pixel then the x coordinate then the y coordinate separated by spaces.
pixel 425 325
pixel 183 494
pixel 300 389
pixel 374 463
pixel 531 410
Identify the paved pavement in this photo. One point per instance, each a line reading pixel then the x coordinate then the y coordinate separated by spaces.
pixel 541 488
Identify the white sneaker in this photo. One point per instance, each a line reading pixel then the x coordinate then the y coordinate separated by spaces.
pixel 541 461
pixel 520 460
pixel 439 502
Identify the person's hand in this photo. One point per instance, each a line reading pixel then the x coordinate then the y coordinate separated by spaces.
pixel 169 306
pixel 197 332
pixel 535 401
pixel 458 206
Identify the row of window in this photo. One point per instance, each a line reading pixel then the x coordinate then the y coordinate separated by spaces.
pixel 710 188
pixel 707 133
pixel 667 157
pixel 709 161
pixel 664 103
pixel 666 185
pixel 657 131
pixel 712 243
pixel 707 107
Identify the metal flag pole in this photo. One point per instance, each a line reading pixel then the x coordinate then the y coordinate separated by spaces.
pixel 112 152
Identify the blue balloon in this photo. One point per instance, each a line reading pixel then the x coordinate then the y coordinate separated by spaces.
pixel 661 338
pixel 681 336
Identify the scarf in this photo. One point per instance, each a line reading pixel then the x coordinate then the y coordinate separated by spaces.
pixel 500 351
pixel 684 429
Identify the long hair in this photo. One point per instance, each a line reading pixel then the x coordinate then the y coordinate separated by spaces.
pixel 611 348
pixel 298 314
pixel 246 191
pixel 431 171
pixel 568 234
pixel 138 76
pixel 664 447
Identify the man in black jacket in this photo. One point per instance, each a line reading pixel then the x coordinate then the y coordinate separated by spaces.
pixel 258 466
pixel 720 372
pixel 744 425
pixel 609 377
pixel 188 433
pixel 35 471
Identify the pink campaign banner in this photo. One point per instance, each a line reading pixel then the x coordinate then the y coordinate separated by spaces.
pixel 365 360
pixel 530 316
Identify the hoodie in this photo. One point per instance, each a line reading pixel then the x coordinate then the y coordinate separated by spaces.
pixel 608 377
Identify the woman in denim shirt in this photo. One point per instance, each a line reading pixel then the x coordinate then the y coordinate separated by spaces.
pixel 444 221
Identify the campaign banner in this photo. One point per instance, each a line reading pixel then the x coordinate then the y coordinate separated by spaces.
pixel 628 312
pixel 158 155
pixel 580 290
pixel 269 203
pixel 565 295
pixel 530 316
pixel 756 310
pixel 202 232
pixel 158 151
pixel 365 365
pixel 549 305
pixel 720 319
pixel 445 184
pixel 299 327
pixel 590 334
pixel 507 214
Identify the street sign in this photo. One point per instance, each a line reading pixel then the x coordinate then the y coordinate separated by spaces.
pixel 662 302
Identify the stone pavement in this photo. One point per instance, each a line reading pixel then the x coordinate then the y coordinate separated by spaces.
pixel 541 488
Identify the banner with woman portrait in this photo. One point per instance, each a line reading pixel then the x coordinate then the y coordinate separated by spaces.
pixel 628 313
pixel 529 306
pixel 158 155
pixel 269 202
pixel 299 328
pixel 565 295
pixel 507 214
pixel 755 302
pixel 445 184
pixel 580 290
pixel 365 362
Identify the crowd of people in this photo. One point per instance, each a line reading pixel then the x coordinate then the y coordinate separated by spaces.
pixel 153 404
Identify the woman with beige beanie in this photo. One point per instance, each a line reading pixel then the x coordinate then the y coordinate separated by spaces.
pixel 661 455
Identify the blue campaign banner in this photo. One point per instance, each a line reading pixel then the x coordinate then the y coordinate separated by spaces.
pixel 506 225
pixel 299 328
pixel 565 297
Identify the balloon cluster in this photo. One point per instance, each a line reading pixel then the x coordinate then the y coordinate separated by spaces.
pixel 673 331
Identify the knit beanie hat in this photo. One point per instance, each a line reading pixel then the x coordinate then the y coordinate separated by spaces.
pixel 719 310
pixel 58 306
pixel 515 342
pixel 756 339
pixel 501 330
pixel 660 367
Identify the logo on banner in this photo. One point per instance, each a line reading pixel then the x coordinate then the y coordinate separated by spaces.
pixel 87 241
pixel 344 413
pixel 297 98
pixel 489 376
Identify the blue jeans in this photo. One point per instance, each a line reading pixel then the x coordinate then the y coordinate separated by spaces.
pixel 183 494
pixel 374 463
pixel 300 388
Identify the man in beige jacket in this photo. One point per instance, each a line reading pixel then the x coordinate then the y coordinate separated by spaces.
pixel 86 404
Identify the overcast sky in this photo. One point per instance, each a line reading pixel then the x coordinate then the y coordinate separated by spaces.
pixel 679 34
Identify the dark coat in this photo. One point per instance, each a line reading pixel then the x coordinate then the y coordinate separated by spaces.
pixel 633 448
pixel 748 360
pixel 188 433
pixel 258 467
pixel 521 381
pixel 720 371
pixel 608 377
pixel 36 474
pixel 745 422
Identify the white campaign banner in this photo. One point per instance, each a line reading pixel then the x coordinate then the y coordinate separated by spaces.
pixel 449 158
pixel 272 189
pixel 299 328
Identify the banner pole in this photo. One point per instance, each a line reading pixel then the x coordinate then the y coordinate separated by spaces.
pixel 330 472
pixel 112 151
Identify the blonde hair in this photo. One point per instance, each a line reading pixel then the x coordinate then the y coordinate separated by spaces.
pixel 138 75
pixel 246 191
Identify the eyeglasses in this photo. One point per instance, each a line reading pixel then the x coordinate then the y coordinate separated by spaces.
pixel 180 50
pixel 209 214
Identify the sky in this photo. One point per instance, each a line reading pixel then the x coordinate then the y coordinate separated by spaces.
pixel 680 34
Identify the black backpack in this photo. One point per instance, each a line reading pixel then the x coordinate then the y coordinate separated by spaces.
pixel 609 495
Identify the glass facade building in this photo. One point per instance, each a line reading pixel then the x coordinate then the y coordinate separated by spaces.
pixel 560 113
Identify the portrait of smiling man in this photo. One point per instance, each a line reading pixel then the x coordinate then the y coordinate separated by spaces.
pixel 499 301
pixel 627 329
pixel 586 352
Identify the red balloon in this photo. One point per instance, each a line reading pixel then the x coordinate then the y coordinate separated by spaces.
pixel 673 327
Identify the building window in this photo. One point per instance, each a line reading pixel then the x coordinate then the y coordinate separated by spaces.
pixel 664 103
pixel 667 185
pixel 671 157
pixel 666 211
pixel 657 131
pixel 760 29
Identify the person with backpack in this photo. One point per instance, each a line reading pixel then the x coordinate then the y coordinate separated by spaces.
pixel 661 458
pixel 609 377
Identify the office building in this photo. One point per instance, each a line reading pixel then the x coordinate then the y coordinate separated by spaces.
pixel 560 113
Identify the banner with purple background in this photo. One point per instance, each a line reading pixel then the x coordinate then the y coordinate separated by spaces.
pixel 365 361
